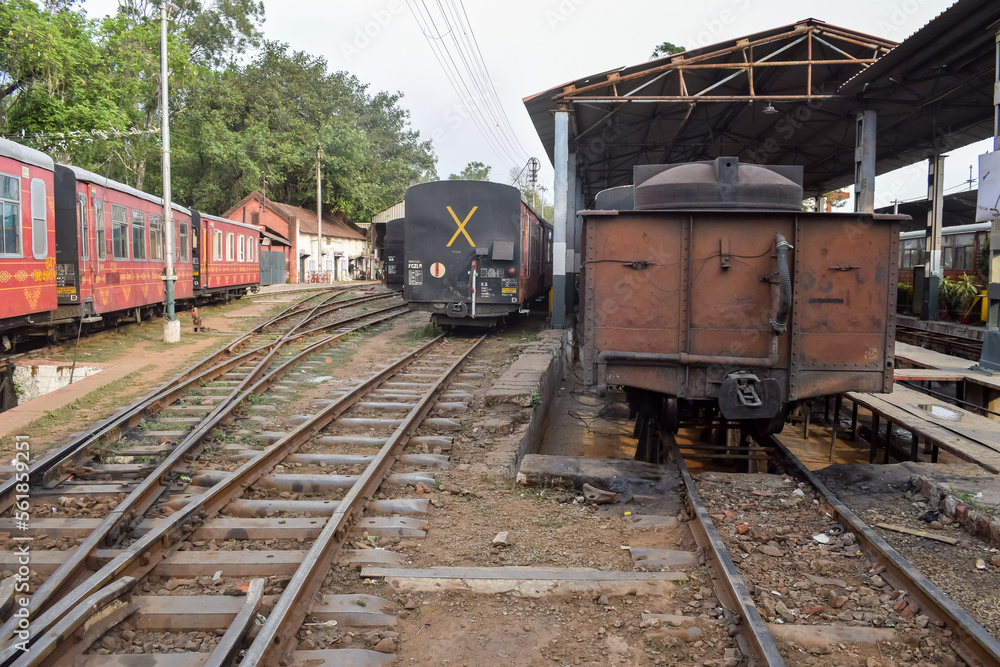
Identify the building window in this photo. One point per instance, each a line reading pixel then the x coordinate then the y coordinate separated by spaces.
pixel 138 235
pixel 230 243
pixel 99 229
pixel 119 232
pixel 217 245
pixel 182 239
pixel 81 214
pixel 10 210
pixel 156 238
pixel 39 234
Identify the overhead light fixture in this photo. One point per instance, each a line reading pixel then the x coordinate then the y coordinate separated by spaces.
pixel 769 108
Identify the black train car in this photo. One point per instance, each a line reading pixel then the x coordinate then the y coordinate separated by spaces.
pixel 394 254
pixel 475 251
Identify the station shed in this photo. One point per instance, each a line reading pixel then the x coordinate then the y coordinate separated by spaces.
pixel 845 105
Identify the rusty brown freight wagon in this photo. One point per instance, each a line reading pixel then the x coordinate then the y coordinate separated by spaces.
pixel 716 294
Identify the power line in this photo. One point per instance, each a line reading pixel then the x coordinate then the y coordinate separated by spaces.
pixel 440 53
pixel 480 77
pixel 482 64
pixel 474 85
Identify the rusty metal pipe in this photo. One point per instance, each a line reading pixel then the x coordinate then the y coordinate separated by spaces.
pixel 780 321
pixel 679 358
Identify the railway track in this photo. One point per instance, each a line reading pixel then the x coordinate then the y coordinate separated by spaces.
pixel 108 480
pixel 968 348
pixel 812 582
pixel 264 556
pixel 420 377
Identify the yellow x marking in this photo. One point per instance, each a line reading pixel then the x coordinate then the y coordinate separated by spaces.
pixel 461 227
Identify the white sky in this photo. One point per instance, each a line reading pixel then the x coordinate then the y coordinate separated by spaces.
pixel 532 45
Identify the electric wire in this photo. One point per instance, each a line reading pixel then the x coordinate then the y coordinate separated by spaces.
pixel 481 74
pixel 469 85
pixel 443 56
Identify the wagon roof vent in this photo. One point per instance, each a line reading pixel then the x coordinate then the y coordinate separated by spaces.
pixel 722 183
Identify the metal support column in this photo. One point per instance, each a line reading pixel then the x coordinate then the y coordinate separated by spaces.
pixel 932 262
pixel 572 236
pixel 864 162
pixel 561 221
pixel 990 359
pixel 171 325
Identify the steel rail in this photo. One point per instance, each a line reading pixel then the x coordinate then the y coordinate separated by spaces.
pixel 288 312
pixel 46 470
pixel 131 415
pixel 975 644
pixel 757 642
pixel 86 621
pixel 143 496
pixel 276 636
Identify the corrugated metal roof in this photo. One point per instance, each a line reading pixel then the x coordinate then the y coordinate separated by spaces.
pixel 397 210
pixel 668 111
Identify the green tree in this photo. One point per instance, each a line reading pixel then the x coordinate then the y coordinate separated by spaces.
pixel 257 127
pixel 666 49
pixel 474 171
pixel 51 74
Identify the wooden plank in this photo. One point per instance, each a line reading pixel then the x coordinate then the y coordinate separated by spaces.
pixel 192 613
pixel 527 581
pixel 956 444
pixel 918 356
pixel 343 657
pixel 524 573
pixel 143 660
pixel 232 563
pixel 982 430
pixel 918 533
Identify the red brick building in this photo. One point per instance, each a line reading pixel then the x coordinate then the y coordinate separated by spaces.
pixel 292 231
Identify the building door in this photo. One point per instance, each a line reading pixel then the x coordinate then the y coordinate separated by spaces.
pixel 272 267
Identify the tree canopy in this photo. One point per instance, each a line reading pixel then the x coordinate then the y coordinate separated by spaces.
pixel 666 49
pixel 246 114
pixel 474 171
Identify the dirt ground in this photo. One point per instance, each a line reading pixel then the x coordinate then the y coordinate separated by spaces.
pixel 968 571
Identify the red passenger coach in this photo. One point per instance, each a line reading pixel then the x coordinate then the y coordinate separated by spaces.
pixel 226 262
pixel 111 247
pixel 27 237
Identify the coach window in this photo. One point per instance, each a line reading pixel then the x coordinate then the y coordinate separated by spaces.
pixel 119 231
pixel 182 248
pixel 217 245
pixel 241 248
pixel 81 212
pixel 39 234
pixel 964 251
pixel 138 235
pixel 10 210
pixel 99 230
pixel 156 238
pixel 229 247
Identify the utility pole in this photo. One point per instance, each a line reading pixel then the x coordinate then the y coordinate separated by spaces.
pixel 171 325
pixel 319 209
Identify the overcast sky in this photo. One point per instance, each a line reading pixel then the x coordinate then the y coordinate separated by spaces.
pixel 531 45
